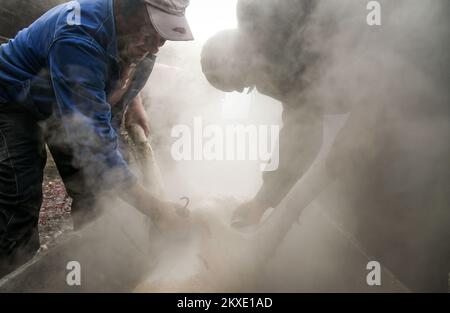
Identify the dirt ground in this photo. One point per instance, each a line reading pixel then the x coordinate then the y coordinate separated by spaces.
pixel 54 218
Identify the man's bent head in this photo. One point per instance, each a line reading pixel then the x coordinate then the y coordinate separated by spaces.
pixel 226 61
pixel 143 26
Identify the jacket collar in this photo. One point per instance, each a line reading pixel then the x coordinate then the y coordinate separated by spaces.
pixel 112 48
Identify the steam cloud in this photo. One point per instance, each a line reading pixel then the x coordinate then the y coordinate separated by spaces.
pixel 393 196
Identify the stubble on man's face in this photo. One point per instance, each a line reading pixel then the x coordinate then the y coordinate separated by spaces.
pixel 137 38
pixel 137 46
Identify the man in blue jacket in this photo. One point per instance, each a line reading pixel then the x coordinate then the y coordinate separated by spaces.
pixel 63 80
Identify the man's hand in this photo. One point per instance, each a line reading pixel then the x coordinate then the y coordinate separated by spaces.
pixel 168 217
pixel 169 220
pixel 248 213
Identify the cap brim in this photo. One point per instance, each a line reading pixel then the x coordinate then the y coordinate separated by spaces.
pixel 169 26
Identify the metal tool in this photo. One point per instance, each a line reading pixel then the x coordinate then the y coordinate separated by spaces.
pixel 184 211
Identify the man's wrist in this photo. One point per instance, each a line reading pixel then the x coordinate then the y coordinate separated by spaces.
pixel 142 200
pixel 261 202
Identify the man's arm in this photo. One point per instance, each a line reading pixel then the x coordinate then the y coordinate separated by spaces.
pixel 355 143
pixel 136 114
pixel 137 126
pixel 78 71
pixel 299 145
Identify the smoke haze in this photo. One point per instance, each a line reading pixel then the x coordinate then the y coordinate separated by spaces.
pixel 393 194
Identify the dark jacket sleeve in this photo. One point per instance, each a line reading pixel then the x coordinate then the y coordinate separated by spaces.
pixel 78 71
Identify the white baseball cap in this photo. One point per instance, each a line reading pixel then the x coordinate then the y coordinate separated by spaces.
pixel 168 18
